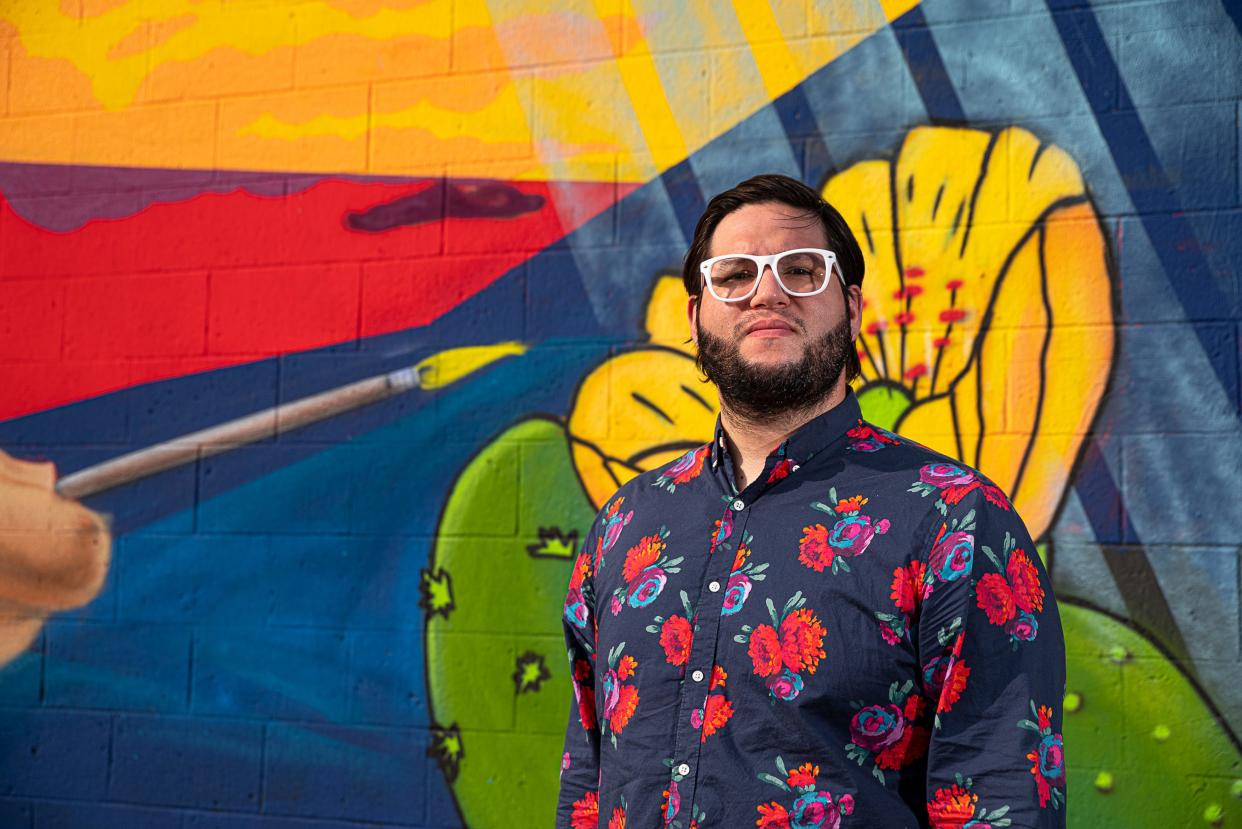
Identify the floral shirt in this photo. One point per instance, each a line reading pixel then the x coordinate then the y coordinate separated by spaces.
pixel 864 636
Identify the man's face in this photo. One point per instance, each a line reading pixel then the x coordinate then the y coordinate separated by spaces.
pixel 773 353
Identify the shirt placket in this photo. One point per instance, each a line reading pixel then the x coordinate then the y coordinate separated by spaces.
pixel 688 744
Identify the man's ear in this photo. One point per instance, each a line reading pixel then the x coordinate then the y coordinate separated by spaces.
pixel 692 314
pixel 853 295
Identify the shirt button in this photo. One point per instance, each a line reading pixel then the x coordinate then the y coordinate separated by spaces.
pixel 683 769
pixel 697 676
pixel 738 506
pixel 714 587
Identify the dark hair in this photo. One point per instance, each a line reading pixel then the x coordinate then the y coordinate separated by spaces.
pixel 773 187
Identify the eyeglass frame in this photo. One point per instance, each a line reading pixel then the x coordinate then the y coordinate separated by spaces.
pixel 769 261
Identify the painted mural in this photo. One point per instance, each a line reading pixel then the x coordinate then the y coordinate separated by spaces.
pixel 340 320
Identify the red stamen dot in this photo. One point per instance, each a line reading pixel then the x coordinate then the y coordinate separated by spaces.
pixel 940 342
pixel 862 355
pixel 953 315
pixel 916 371
pixel 904 318
pixel 876 327
pixel 914 272
pixel 954 284
pixel 908 292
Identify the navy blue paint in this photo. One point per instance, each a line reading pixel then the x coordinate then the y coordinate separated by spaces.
pixel 161 760
pixel 802 130
pixel 125 666
pixel 1234 9
pixel 1153 194
pixel 686 196
pixel 56 754
pixel 331 771
pixel 927 68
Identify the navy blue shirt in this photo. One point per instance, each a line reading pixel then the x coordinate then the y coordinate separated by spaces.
pixel 864 636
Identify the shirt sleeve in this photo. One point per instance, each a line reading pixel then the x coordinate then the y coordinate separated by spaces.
pixel 578 804
pixel 993 661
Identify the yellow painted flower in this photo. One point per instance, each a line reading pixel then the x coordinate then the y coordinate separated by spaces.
pixel 642 408
pixel 987 304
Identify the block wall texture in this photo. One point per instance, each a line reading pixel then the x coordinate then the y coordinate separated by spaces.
pixel 211 209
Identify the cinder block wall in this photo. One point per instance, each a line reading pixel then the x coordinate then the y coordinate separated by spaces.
pixel 208 210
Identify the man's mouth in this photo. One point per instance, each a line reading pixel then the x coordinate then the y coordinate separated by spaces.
pixel 769 328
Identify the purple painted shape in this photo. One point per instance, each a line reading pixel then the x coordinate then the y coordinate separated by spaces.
pixel 64 197
pixel 466 200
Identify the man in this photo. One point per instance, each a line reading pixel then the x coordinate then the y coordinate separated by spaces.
pixel 810 621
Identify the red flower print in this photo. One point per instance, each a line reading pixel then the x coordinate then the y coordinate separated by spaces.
pixel 950 808
pixel 781 470
pixel 814 550
pixel 716 713
pixel 581 568
pixel 911 746
pixel 675 638
pixel 907 588
pixel 688 467
pixel 1023 578
pixel 585 812
pixel 626 703
pixel 772 816
pixel 802 639
pixel 865 432
pixel 765 650
pixel 803 775
pixel 625 668
pixel 617 821
pixel 996 496
pixel 584 690
pixel 888 634
pixel 1045 717
pixel 718 678
pixel 954 684
pixel 995 598
pixel 740 559
pixel 642 555
pixel 914 706
pixel 852 504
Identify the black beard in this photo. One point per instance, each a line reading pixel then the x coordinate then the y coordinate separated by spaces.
pixel 761 393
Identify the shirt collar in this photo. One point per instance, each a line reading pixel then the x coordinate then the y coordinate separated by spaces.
pixel 809 439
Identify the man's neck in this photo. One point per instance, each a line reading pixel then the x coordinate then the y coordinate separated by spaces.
pixel 751 440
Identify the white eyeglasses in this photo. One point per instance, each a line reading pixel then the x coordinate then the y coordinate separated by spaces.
pixel 734 277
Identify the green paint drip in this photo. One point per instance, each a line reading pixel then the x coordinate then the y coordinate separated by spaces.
pixel 1073 702
pixel 1104 782
pixel 883 405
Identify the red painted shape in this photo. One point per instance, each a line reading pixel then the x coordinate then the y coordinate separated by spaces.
pixel 225 278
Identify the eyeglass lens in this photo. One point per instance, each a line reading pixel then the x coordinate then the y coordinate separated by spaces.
pixel 798 273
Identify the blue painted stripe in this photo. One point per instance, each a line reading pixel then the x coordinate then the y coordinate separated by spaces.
pixel 1234 9
pixel 686 196
pixel 927 68
pixel 803 133
pixel 1150 189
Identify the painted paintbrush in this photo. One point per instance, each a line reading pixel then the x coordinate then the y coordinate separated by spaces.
pixel 436 371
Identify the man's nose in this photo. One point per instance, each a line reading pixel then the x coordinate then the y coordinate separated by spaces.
pixel 769 291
